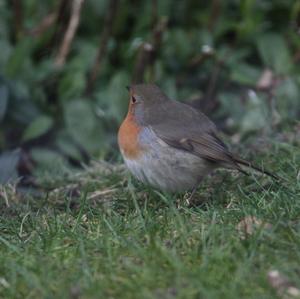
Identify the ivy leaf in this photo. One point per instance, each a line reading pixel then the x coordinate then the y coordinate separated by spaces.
pixel 48 163
pixel 256 116
pixel 245 74
pixel 274 53
pixel 38 127
pixel 82 124
pixel 116 95
pixel 8 166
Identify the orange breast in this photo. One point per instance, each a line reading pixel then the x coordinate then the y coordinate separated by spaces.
pixel 128 138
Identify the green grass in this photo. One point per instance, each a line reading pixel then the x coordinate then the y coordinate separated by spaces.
pixel 133 242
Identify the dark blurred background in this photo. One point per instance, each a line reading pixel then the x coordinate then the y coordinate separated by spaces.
pixel 64 65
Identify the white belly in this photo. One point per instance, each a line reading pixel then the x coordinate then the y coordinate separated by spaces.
pixel 167 168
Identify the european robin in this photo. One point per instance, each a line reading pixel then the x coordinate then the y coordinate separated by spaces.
pixel 170 145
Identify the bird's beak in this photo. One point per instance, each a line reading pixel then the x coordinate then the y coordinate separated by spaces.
pixel 128 87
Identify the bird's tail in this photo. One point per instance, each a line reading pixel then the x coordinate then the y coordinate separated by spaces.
pixel 242 162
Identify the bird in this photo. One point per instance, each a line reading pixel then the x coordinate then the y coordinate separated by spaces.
pixel 170 145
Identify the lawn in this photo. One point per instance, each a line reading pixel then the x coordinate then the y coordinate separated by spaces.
pixel 100 234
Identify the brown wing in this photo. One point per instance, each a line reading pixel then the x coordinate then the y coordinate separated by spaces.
pixel 187 129
pixel 205 146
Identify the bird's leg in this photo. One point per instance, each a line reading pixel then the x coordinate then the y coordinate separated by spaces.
pixel 189 199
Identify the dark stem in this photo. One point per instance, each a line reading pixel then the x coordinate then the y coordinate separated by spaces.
pixel 18 18
pixel 46 22
pixel 60 25
pixel 148 52
pixel 215 13
pixel 105 36
pixel 70 33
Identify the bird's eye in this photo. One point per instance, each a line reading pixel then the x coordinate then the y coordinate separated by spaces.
pixel 133 100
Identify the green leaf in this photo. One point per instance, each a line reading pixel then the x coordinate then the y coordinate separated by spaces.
pixel 116 96
pixel 38 127
pixel 256 116
pixel 6 50
pixel 65 143
pixel 8 166
pixel 287 96
pixel 177 47
pixel 20 59
pixel 232 106
pixel 169 87
pixel 48 162
pixel 245 74
pixel 274 53
pixel 3 101
pixel 82 124
pixel 22 109
pixel 232 58
pixel 72 84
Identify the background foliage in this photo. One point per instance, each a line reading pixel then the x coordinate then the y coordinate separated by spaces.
pixel 64 65
pixel 236 60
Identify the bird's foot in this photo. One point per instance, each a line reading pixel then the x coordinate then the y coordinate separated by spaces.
pixel 191 200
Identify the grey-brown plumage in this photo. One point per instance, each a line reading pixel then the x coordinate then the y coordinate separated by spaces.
pixel 183 129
